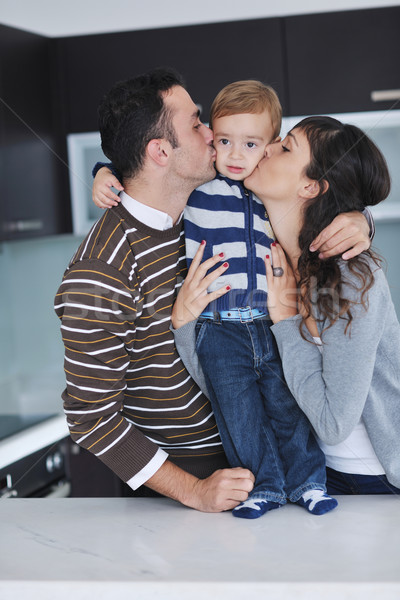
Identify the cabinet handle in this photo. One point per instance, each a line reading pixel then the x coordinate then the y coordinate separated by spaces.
pixel 27 225
pixel 385 95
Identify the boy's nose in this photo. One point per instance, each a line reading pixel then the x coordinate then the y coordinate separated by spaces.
pixel 235 151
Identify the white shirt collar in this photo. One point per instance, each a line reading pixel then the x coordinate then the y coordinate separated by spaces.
pixel 147 214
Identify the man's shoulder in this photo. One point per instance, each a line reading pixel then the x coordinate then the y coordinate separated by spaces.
pixel 107 242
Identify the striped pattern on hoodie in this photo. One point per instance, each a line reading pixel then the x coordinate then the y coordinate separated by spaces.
pixel 128 392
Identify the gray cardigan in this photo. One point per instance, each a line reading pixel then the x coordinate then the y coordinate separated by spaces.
pixel 356 375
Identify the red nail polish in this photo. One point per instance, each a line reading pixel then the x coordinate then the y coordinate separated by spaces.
pixel 203 242
pixel 228 287
pixel 273 244
pixel 221 254
pixel 225 264
pixel 267 256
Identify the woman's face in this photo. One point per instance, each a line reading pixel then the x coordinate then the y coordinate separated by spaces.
pixel 280 175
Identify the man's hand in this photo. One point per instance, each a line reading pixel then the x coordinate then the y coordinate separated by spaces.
pixel 348 233
pixel 193 297
pixel 223 490
pixel 102 194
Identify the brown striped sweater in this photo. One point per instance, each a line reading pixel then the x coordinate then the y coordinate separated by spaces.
pixel 128 393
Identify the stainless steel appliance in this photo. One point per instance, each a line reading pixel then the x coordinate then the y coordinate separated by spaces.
pixel 36 470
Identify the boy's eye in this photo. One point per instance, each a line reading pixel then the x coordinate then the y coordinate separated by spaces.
pixel 250 144
pixel 224 141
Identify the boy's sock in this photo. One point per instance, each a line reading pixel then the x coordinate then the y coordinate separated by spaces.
pixel 254 508
pixel 317 502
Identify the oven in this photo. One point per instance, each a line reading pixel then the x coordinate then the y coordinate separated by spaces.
pixel 33 457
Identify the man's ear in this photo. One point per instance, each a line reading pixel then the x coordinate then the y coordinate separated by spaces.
pixel 314 188
pixel 159 150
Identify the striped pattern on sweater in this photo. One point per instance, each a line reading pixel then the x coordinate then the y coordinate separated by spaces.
pixel 232 220
pixel 128 392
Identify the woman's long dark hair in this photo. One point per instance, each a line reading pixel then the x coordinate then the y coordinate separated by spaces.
pixel 352 174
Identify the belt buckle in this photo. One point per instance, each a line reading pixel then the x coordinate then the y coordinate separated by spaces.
pixel 246 319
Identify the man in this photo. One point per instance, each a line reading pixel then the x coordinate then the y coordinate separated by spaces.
pixel 129 398
pixel 128 394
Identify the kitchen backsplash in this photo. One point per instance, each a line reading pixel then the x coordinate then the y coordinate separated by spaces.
pixel 31 351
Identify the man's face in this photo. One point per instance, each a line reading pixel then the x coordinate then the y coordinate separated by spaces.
pixel 193 159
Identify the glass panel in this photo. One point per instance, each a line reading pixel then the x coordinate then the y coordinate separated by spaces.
pixel 383 127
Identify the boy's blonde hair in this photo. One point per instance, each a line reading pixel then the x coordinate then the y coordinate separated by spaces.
pixel 247 96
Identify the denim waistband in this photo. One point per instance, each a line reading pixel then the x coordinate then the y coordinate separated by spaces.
pixel 244 315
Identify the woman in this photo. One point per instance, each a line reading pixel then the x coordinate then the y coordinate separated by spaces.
pixel 340 343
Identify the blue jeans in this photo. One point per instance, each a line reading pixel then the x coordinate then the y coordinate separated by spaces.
pixel 261 426
pixel 351 483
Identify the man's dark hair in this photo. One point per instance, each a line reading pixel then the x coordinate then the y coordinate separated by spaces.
pixel 133 113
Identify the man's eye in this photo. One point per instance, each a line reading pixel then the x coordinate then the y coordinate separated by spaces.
pixel 198 126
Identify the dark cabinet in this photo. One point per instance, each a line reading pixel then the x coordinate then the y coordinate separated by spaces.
pixel 29 154
pixel 208 56
pixel 335 60
pixel 323 63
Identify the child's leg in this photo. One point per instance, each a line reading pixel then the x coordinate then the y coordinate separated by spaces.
pixel 225 351
pixel 302 458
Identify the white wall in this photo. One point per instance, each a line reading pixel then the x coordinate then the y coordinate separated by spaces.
pixel 56 18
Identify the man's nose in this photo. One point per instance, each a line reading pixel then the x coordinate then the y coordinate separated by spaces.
pixel 207 134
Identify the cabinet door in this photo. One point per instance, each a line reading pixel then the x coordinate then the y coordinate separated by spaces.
pixel 28 158
pixel 208 56
pixel 335 60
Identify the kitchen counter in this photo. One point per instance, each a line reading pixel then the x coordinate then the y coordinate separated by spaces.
pixel 107 548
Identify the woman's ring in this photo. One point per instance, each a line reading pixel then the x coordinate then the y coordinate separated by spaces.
pixel 277 271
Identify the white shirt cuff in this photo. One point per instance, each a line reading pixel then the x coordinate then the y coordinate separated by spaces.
pixel 148 471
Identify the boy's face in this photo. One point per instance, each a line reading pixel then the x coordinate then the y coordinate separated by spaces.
pixel 240 142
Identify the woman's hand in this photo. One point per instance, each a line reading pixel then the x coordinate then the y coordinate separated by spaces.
pixel 348 233
pixel 102 194
pixel 193 297
pixel 282 290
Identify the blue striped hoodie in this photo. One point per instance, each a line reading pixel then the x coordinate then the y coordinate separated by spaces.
pixel 234 221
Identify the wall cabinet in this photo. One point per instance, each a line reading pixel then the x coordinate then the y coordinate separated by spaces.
pixel 335 60
pixel 323 63
pixel 208 56
pixel 31 200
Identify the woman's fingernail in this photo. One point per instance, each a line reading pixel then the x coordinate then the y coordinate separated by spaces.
pixel 228 287
pixel 225 264
pixel 267 256
pixel 273 244
pixel 221 254
pixel 203 242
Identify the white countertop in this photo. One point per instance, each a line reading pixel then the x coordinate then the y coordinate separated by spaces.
pixel 110 548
